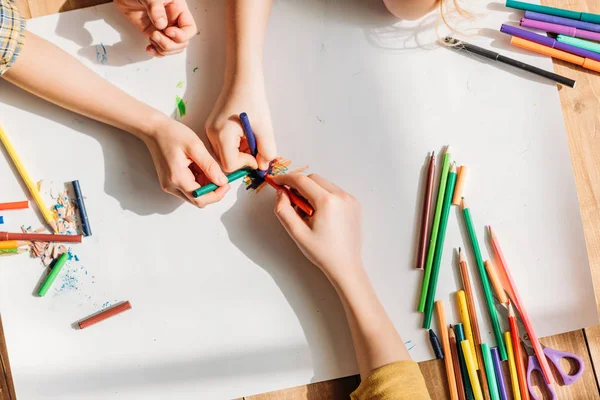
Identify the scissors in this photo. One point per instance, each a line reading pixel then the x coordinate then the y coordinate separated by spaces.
pixel 555 357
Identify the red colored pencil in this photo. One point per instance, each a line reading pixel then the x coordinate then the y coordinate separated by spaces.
pixel 40 237
pixel 513 294
pixel 427 199
pixel 514 333
pixel 109 312
pixel 298 201
pixel 15 205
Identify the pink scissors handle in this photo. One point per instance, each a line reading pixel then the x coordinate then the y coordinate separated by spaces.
pixel 534 365
pixel 556 356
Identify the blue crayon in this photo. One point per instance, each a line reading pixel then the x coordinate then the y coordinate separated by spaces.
pixel 85 223
pixel 249 133
pixel 1 219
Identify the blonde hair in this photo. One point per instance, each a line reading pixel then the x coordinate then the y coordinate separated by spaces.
pixel 451 9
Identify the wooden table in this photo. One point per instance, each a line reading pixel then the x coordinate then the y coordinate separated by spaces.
pixel 581 109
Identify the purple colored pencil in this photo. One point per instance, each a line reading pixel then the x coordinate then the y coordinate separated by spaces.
pixel 548 41
pixel 560 29
pixel 499 375
pixel 588 26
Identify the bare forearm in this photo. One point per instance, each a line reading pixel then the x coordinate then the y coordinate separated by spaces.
pixel 48 72
pixel 376 341
pixel 246 23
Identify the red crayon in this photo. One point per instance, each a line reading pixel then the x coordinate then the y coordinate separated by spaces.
pixel 108 313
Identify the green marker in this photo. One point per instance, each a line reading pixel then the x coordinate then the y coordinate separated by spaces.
pixel 53 274
pixel 582 44
pixel 485 283
pixel 211 187
pixel 439 248
pixel 489 371
pixel 559 12
pixel 434 229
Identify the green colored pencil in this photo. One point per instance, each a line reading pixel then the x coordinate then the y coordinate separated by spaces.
pixel 485 283
pixel 582 44
pixel 9 251
pixel 489 370
pixel 53 274
pixel 434 229
pixel 211 187
pixel 439 248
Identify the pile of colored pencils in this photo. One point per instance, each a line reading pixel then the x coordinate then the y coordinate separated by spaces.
pixel 574 34
pixel 473 368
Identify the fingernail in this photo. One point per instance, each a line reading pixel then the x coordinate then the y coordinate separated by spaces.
pixel 222 180
pixel 161 21
pixel 156 37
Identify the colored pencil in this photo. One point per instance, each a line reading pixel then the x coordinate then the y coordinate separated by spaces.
pixel 516 299
pixel 589 17
pixel 436 345
pixel 465 319
pixel 31 185
pixel 53 274
pixel 295 199
pixel 470 361
pixel 460 336
pixel 11 244
pixel 426 215
pixel 85 223
pixel 560 29
pixel 107 313
pixel 489 370
pixel 452 388
pixel 15 205
pixel 495 280
pixel 439 248
pixel 512 367
pixel 461 179
pixel 433 234
pixel 561 55
pixel 499 374
pixel 492 313
pixel 460 385
pixel 14 250
pixel 211 187
pixel 516 344
pixel 40 237
pixel 548 41
pixel 491 55
pixel 464 272
pixel 553 19
pixel 1 219
pixel 584 44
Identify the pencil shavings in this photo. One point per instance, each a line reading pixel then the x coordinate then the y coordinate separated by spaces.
pixel 278 166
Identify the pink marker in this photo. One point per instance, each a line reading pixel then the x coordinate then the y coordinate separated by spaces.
pixel 561 29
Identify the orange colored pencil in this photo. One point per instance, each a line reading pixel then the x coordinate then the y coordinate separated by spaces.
pixel 496 284
pixel 516 341
pixel 11 244
pixel 439 307
pixel 464 272
pixel 461 179
pixel 15 205
pixel 516 299
pixel 457 372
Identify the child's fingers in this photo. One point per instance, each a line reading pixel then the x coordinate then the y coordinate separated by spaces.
pixel 189 185
pixel 152 51
pixel 289 218
pixel 267 151
pixel 231 157
pixel 308 188
pixel 207 164
pixel 157 13
pixel 325 184
pixel 165 45
pixel 180 34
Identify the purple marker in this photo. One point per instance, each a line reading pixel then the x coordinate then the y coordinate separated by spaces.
pixel 547 41
pixel 560 29
pixel 499 375
pixel 562 21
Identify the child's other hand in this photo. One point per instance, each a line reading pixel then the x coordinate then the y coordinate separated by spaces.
pixel 225 132
pixel 174 147
pixel 168 24
pixel 332 238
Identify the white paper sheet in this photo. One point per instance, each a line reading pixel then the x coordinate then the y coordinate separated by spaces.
pixel 224 305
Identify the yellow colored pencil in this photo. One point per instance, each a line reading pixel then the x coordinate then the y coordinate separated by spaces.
pixel 470 361
pixel 35 193
pixel 466 321
pixel 512 367
pixel 11 244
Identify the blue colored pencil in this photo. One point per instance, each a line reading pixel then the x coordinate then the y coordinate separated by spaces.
pixel 85 223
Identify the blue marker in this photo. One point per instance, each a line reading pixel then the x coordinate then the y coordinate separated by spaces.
pixel 85 223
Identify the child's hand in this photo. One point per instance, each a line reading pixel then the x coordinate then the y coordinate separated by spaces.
pixel 168 23
pixel 174 147
pixel 332 238
pixel 225 132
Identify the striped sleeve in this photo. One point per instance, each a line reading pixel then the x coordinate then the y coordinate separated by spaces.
pixel 12 30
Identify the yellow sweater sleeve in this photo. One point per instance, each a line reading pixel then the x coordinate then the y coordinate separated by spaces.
pixel 396 381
